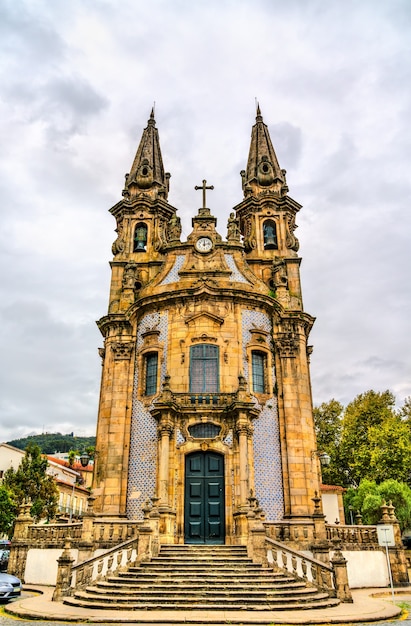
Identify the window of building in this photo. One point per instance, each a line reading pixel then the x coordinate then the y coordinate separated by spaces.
pixel 205 430
pixel 151 368
pixel 259 361
pixel 204 369
pixel 140 238
pixel 270 235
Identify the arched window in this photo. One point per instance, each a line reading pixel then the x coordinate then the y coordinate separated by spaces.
pixel 204 369
pixel 259 369
pixel 270 235
pixel 150 373
pixel 140 238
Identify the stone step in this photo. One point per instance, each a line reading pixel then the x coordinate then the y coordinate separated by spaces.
pixel 200 577
pixel 98 603
pixel 214 583
pixel 205 593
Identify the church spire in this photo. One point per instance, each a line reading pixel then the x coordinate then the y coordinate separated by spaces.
pixel 263 170
pixel 147 171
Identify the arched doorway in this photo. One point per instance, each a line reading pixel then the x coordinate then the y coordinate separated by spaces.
pixel 204 507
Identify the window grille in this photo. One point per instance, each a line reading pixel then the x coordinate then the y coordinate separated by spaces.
pixel 151 362
pixel 204 369
pixel 205 430
pixel 259 368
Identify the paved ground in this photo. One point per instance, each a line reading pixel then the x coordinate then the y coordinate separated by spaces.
pixel 369 605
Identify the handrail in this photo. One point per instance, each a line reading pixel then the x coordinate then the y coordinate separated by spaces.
pixel 307 568
pixel 99 566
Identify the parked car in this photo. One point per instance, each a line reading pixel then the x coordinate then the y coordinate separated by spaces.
pixel 10 587
pixel 4 560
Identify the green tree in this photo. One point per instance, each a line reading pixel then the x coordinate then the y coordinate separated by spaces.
pixel 8 511
pixel 390 450
pixel 31 482
pixel 328 428
pixel 72 457
pixel 369 496
pixel 405 411
pixel 368 410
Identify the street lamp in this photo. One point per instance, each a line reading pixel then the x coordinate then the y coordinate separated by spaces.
pixel 84 459
pixel 324 458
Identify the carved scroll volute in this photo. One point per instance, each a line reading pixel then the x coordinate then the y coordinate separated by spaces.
pixel 291 240
pixel 250 241
pixel 118 245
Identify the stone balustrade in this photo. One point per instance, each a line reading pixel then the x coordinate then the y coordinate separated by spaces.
pixel 105 533
pixel 204 399
pixel 307 568
pixel 353 537
pixel 54 533
pixel 116 559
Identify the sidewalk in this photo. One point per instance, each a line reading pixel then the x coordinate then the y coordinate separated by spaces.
pixel 367 607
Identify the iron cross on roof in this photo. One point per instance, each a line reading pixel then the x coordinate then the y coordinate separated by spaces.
pixel 204 187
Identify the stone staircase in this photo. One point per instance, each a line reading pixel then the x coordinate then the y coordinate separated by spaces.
pixel 188 577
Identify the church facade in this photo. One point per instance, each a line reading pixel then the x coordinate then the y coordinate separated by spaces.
pixel 205 405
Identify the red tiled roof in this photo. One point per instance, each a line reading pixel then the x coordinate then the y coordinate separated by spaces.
pixel 335 488
pixel 76 465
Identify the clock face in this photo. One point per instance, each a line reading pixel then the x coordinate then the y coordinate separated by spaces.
pixel 204 244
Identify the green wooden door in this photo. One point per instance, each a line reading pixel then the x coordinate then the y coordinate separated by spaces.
pixel 204 498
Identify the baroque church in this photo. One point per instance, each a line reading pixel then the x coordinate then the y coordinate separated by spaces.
pixel 205 405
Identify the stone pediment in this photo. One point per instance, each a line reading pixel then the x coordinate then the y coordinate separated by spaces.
pixel 206 314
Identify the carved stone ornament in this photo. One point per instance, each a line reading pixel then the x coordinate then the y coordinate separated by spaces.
pixel 118 245
pixel 160 238
pixel 249 236
pixel 287 344
pixel 279 273
pixel 129 276
pixel 291 240
pixel 174 229
pixel 233 230
pixel 122 350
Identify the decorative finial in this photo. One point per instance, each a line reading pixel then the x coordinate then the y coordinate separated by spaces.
pixel 258 108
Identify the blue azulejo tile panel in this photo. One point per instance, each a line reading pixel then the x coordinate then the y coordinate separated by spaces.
pixel 267 462
pixel 172 276
pixel 143 438
pixel 266 439
pixel 236 275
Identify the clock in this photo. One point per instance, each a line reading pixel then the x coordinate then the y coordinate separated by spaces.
pixel 204 244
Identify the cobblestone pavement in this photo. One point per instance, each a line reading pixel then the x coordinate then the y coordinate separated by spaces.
pixel 8 620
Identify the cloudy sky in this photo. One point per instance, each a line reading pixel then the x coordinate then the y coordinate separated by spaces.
pixel 78 79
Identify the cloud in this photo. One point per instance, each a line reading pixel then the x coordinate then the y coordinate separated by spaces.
pixel 79 80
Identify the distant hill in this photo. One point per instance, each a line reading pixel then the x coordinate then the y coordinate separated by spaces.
pixel 54 442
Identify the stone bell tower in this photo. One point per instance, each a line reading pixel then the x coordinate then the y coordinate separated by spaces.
pixel 205 397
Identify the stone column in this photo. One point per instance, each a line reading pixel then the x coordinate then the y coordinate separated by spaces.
pixel 65 563
pixel 321 546
pixel 86 545
pixel 298 443
pixel 165 430
pixel 167 515
pixel 21 543
pixel 242 431
pixel 398 562
pixel 243 507
pixel 339 564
